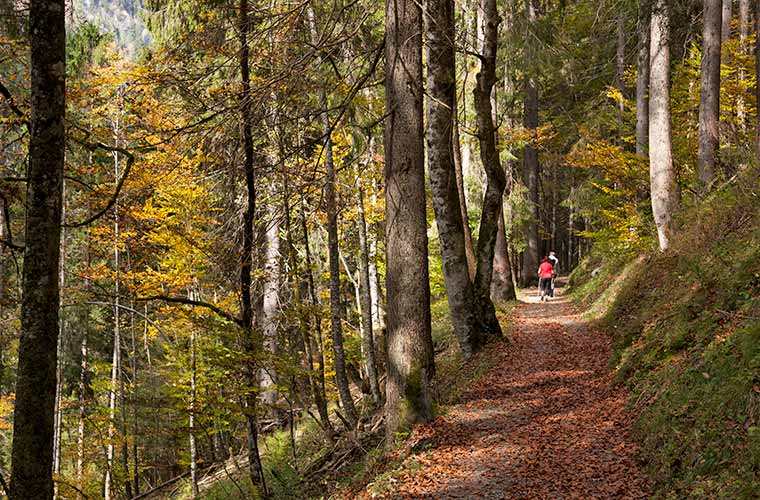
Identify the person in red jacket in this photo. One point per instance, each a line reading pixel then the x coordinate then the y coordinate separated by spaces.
pixel 545 275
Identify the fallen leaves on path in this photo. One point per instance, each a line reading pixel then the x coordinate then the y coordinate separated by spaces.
pixel 544 423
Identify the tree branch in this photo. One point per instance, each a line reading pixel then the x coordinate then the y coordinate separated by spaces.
pixel 92 146
pixel 197 303
pixel 12 103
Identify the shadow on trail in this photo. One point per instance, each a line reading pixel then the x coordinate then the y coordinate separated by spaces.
pixel 544 423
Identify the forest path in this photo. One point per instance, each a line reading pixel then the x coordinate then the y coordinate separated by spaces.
pixel 544 423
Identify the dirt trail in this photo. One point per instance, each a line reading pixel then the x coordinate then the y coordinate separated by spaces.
pixel 545 423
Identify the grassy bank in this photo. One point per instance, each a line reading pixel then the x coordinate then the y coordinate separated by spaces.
pixel 686 326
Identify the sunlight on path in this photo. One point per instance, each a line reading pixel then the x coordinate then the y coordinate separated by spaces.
pixel 545 423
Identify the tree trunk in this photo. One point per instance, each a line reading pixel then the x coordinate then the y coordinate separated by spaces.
pixel 191 424
pixel 58 420
pixel 409 341
pixel 320 398
pixel 757 79
pixel 496 178
pixel 441 91
pixel 662 174
pixel 32 448
pixel 82 412
pixel 531 173
pixel 502 287
pixel 744 20
pixel 270 310
pixel 368 339
pixel 642 80
pixel 114 391
pixel 469 249
pixel 251 342
pixel 620 65
pixel 336 312
pixel 726 14
pixel 709 100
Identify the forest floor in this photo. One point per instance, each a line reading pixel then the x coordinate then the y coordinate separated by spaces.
pixel 545 422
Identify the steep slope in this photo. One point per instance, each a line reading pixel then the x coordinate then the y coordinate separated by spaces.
pixel 687 343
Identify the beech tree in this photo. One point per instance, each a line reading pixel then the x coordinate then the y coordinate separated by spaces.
pixel 661 172
pixel 642 78
pixel 32 451
pixel 709 94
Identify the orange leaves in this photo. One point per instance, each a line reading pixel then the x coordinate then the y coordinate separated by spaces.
pixel 544 423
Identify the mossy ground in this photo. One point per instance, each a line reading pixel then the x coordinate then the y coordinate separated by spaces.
pixel 686 326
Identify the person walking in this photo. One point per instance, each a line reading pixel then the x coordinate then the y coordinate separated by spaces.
pixel 555 263
pixel 545 276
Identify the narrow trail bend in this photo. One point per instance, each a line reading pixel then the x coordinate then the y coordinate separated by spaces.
pixel 544 423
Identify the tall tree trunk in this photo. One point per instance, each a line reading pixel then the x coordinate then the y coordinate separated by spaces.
pixel 502 287
pixel 58 420
pixel 531 174
pixel 368 334
pixel 82 412
pixel 469 249
pixel 726 15
pixel 336 309
pixel 709 94
pixel 661 171
pixel 409 341
pixel 270 310
pixel 744 21
pixel 133 400
pixel 530 157
pixel 441 91
pixel 642 80
pixel 191 424
pixel 320 399
pixel 620 65
pixel 496 178
pixel 32 448
pixel 114 392
pixel 757 80
pixel 251 340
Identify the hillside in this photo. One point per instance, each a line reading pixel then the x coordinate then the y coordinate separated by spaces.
pixel 121 18
pixel 687 344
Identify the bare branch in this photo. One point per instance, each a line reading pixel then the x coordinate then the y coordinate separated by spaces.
pixel 197 303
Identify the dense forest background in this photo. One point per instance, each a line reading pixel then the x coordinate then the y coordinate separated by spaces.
pixel 227 278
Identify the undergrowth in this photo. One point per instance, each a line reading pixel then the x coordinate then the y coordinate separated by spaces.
pixel 687 342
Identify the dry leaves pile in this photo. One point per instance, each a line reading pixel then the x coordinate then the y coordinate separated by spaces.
pixel 545 423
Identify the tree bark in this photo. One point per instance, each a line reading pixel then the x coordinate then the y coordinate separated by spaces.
pixel 502 287
pixel 320 398
pixel 620 64
pixel 726 14
pixel 757 79
pixel 193 448
pixel 709 97
pixel 270 310
pixel 114 389
pixel 531 174
pixel 409 341
pixel 661 171
pixel 496 178
pixel 441 91
pixel 251 342
pixel 336 307
pixel 642 80
pixel 32 448
pixel 368 334
pixel 469 249
pixel 531 167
